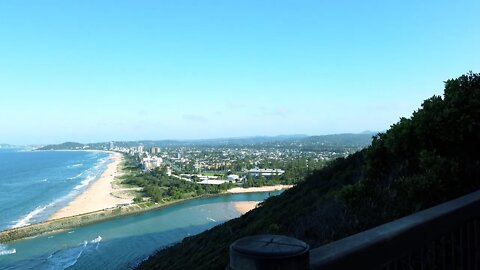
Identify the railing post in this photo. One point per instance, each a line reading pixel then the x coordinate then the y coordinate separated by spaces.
pixel 269 252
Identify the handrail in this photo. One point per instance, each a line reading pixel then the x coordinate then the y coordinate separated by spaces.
pixel 446 236
pixel 380 245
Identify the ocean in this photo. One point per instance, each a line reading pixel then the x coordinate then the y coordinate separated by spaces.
pixel 35 184
pixel 120 243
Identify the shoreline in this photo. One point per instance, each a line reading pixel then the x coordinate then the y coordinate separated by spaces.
pixel 98 195
pixel 257 189
pixel 244 207
pixel 74 221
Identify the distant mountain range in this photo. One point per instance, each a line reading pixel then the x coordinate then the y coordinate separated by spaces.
pixel 346 139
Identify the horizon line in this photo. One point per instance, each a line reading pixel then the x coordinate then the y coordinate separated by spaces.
pixel 200 139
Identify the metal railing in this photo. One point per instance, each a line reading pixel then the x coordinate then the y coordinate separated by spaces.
pixel 446 236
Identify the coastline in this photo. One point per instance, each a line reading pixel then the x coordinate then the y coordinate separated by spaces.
pixel 98 195
pixel 73 221
pixel 245 206
pixel 258 189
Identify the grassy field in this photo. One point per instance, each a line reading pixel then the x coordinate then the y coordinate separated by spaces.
pixel 214 174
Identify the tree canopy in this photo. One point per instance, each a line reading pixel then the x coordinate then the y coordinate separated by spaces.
pixel 423 160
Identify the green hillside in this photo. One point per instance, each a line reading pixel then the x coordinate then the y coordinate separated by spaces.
pixel 64 146
pixel 420 161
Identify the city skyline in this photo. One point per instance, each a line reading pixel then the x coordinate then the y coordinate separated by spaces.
pixel 118 71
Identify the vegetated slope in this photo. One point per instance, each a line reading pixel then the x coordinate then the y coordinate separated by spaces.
pixel 332 142
pixel 63 146
pixel 419 162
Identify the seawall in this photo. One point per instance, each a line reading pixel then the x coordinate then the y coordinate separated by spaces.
pixel 55 225
pixel 66 223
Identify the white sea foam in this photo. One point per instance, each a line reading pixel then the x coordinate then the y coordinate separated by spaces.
pixel 40 211
pixel 101 162
pixel 28 218
pixel 75 165
pixel 96 240
pixel 76 176
pixel 211 219
pixel 85 182
pixel 5 251
pixel 63 259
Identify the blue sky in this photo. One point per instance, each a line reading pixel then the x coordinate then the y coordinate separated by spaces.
pixel 93 71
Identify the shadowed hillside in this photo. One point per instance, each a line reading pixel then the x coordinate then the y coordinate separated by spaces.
pixel 419 162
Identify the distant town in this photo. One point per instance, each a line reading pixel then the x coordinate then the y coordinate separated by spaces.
pixel 285 159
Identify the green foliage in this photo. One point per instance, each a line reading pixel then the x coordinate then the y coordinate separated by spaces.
pixel 423 160
pixel 287 214
pixel 138 199
pixel 420 161
pixel 160 187
pixel 131 164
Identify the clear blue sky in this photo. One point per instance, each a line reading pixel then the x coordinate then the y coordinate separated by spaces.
pixel 93 71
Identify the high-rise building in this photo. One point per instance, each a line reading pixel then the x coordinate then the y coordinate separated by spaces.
pixel 154 150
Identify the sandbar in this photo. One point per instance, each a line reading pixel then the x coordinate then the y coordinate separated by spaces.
pixel 245 206
pixel 258 189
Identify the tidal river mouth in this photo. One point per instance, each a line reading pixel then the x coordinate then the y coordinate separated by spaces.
pixel 123 242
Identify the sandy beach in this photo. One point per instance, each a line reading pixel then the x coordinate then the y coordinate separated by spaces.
pixel 96 203
pixel 244 207
pixel 258 189
pixel 98 195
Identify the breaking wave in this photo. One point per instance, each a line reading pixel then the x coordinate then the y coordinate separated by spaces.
pixel 85 182
pixel 26 220
pixel 96 240
pixel 43 210
pixel 65 258
pixel 76 176
pixel 5 251
pixel 75 165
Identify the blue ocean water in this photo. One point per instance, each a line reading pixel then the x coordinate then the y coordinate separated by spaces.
pixel 35 184
pixel 123 242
